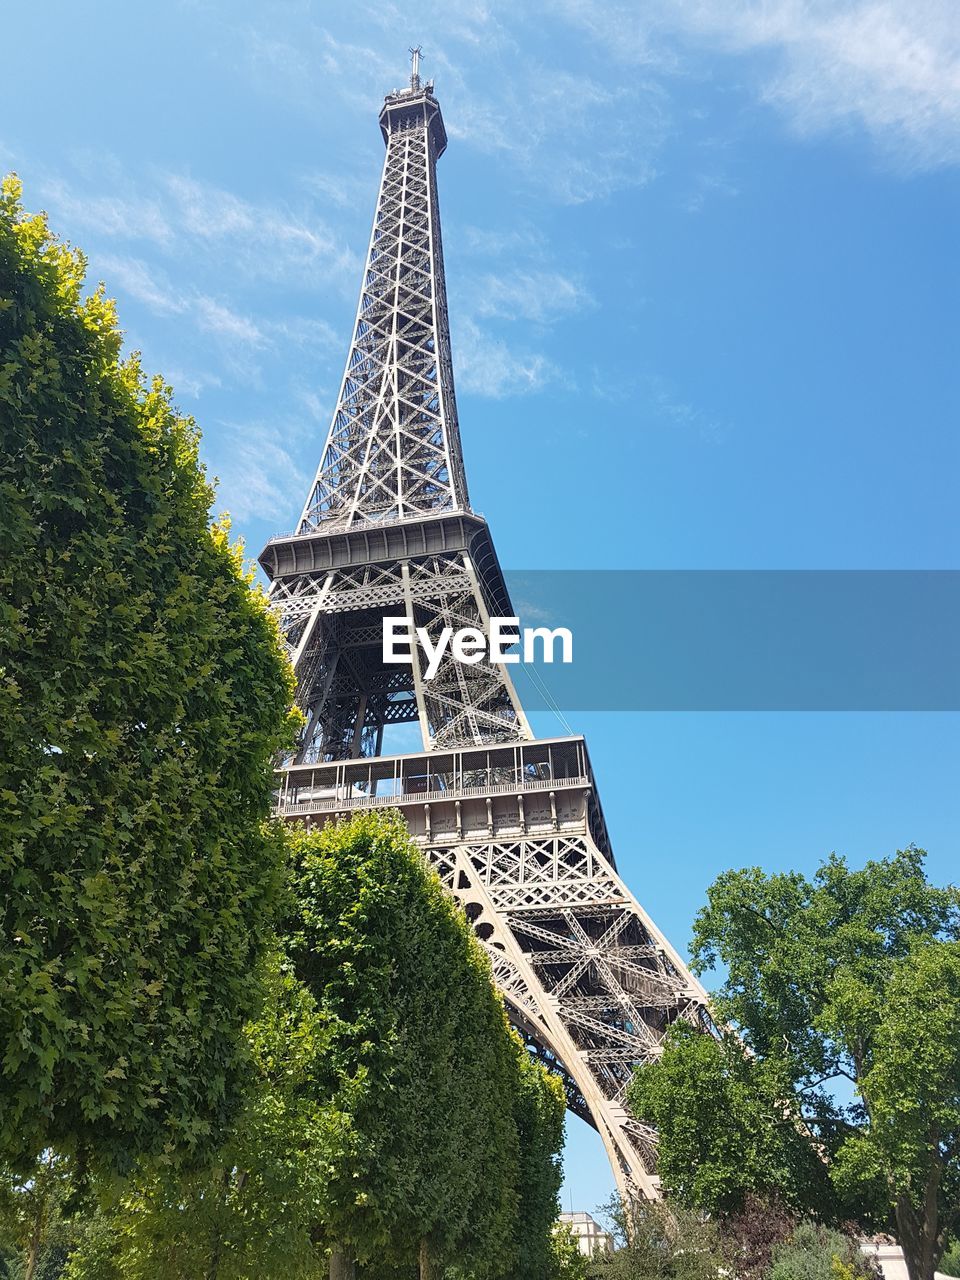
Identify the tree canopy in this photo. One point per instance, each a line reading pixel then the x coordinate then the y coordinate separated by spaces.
pixel 844 991
pixel 540 1109
pixel 142 697
pixel 255 1210
pixel 726 1131
pixel 393 1121
pixel 377 1108
pixel 420 1055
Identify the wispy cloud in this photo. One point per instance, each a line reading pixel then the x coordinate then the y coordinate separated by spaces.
pixel 488 366
pixel 707 185
pixel 120 216
pixel 892 67
pixel 232 335
pixel 189 382
pixel 151 287
pixel 655 401
pixel 138 280
pixel 889 67
pixel 258 476
pixel 472 22
pixel 213 317
pixel 341 189
pixel 681 414
pixel 317 63
pixel 494 242
pixel 573 136
pixel 526 289
pixel 306 333
pixel 267 240
pixel 190 220
pixel 315 405
pixel 528 295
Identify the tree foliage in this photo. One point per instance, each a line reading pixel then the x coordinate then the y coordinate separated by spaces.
pixel 142 696
pixel 33 1226
pixel 539 1115
pixel 726 1130
pixel 910 1086
pixel 657 1241
pixel 392 1119
pixel 567 1262
pixel 420 1055
pixel 255 1211
pixel 818 1252
pixel 851 977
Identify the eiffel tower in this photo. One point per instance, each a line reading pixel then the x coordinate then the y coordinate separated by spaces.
pixel 512 823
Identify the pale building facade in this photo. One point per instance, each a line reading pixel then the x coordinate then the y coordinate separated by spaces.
pixel 590 1236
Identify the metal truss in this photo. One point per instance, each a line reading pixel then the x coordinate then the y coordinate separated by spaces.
pixel 512 825
pixel 590 982
pixel 332 627
pixel 394 445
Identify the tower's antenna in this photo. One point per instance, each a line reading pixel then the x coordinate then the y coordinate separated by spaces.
pixel 415 67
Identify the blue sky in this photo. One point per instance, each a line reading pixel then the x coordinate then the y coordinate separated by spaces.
pixel 703 279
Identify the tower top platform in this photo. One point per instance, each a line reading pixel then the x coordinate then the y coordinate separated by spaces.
pixel 412 107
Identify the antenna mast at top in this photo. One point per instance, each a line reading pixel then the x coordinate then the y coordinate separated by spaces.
pixel 415 67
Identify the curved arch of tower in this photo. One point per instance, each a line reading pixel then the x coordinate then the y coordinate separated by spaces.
pixel 512 824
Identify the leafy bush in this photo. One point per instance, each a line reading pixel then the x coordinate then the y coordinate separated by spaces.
pixel 750 1236
pixel 568 1262
pixel 142 697
pixel 391 1117
pixel 815 1252
pixel 656 1241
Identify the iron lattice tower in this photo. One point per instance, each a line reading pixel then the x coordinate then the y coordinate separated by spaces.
pixel 512 824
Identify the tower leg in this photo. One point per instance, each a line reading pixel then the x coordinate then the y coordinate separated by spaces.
pixel 629 1147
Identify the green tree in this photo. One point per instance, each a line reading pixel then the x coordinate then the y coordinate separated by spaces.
pixel 910 1086
pixel 255 1212
pixel 540 1111
pixel 466 1161
pixel 393 1119
pixel 142 697
pixel 657 1241
pixel 567 1262
pixel 420 1057
pixel 725 1130
pixel 853 977
pixel 32 1222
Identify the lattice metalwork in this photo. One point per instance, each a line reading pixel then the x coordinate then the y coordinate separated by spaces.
pixel 332 626
pixel 590 982
pixel 513 825
pixel 393 450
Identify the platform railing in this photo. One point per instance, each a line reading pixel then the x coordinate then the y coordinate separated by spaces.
pixel 343 800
